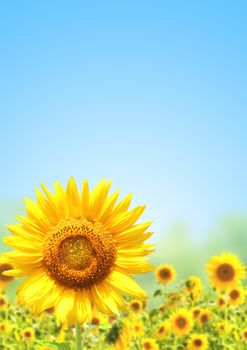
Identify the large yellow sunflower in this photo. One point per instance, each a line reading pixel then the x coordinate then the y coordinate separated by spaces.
pixel 78 251
pixel 225 271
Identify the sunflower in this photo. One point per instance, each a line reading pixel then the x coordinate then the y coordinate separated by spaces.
pixel 244 333
pixel 221 302
pixel 5 266
pixel 162 330
pixel 205 316
pixel 225 271
pixel 198 342
pixel 78 251
pixel 165 274
pixel 28 333
pixel 236 296
pixel 149 344
pixel 224 327
pixel 193 287
pixel 181 322
pixel 3 301
pixel 196 311
pixel 136 305
pixel 137 328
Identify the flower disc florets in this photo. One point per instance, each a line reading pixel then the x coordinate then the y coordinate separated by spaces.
pixel 78 253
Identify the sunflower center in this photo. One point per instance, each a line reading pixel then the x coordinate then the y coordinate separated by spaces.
pixel 181 322
pixel 147 346
pixel 165 273
pixel 198 342
pixel 234 294
pixel 225 272
pixel 78 253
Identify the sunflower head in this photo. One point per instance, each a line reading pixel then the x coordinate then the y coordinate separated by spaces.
pixel 205 316
pixel 198 342
pixel 136 305
pixel 28 333
pixel 221 302
pixel 74 249
pixel 236 296
pixel 244 334
pixel 224 327
pixel 225 271
pixel 162 330
pixel 3 301
pixel 137 328
pixel 149 344
pixel 165 274
pixel 181 322
pixel 196 311
pixel 5 265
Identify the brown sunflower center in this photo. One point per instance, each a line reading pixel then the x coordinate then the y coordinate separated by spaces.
pixel 147 346
pixel 234 294
pixel 165 273
pixel 27 334
pixel 198 342
pixel 161 329
pixel 204 318
pixel 225 272
pixel 245 334
pixel 2 301
pixel 78 253
pixel 135 306
pixel 95 321
pixel 181 322
pixel 5 267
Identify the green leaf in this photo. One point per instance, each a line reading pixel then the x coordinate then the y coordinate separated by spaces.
pixel 104 326
pixel 157 292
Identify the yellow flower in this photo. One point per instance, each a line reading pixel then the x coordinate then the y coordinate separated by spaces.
pixel 162 330
pixel 28 333
pixel 78 251
pixel 149 344
pixel 181 322
pixel 5 327
pixel 3 301
pixel 221 302
pixel 236 296
pixel 196 311
pixel 244 333
pixel 136 305
pixel 165 274
pixel 205 316
pixel 224 328
pixel 5 266
pixel 225 271
pixel 193 287
pixel 198 342
pixel 137 328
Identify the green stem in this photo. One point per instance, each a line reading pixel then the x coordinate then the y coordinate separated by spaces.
pixel 78 338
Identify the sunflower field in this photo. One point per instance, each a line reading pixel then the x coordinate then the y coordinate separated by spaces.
pixel 187 318
pixel 75 253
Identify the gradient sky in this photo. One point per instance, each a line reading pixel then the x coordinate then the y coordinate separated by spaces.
pixel 150 94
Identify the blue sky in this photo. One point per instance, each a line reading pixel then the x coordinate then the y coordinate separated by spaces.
pixel 151 94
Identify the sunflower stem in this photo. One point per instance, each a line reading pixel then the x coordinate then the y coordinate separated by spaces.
pixel 78 337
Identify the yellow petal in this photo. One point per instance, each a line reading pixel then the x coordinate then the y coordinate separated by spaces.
pixel 125 283
pixel 73 199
